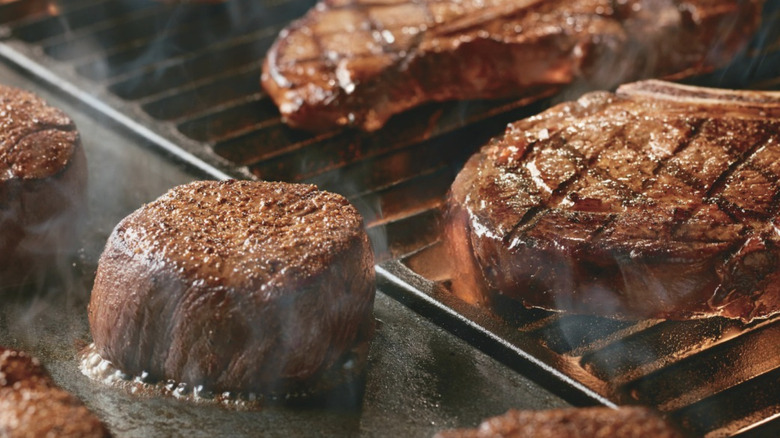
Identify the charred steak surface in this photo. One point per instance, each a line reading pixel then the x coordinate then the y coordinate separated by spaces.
pixel 358 62
pixel 250 287
pixel 31 405
pixel 658 201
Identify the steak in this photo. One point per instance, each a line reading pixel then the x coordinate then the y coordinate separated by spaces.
pixel 659 201
pixel 626 422
pixel 249 287
pixel 358 62
pixel 43 179
pixel 31 405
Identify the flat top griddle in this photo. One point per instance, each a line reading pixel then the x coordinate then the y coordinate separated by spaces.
pixel 184 80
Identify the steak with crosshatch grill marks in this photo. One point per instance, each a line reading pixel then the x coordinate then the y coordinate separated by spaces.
pixel 358 62
pixel 658 201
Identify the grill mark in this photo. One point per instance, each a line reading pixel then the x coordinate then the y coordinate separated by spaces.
pixel 535 211
pixel 686 177
pixel 684 216
pixel 638 196
pixel 682 145
pixel 600 231
pixel 328 63
pixel 726 207
pixel 720 181
pixel 533 214
pixel 774 179
pixel 530 218
pixel 626 193
pixel 736 213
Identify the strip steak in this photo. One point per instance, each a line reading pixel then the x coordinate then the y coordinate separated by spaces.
pixel 658 201
pixel 358 62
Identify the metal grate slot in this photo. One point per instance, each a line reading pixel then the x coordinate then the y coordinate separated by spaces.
pixel 188 103
pixel 190 70
pixel 269 140
pixel 304 156
pixel 642 352
pixel 710 371
pixel 407 198
pixel 176 41
pixel 730 411
pixel 232 121
pixel 382 171
pixel 395 239
pixel 575 333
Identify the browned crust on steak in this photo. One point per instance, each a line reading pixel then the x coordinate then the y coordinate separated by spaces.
pixel 626 422
pixel 31 405
pixel 43 177
pixel 358 62
pixel 236 286
pixel 659 201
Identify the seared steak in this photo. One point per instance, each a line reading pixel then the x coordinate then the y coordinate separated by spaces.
pixel 43 177
pixel 658 201
pixel 627 422
pixel 237 286
pixel 358 62
pixel 31 405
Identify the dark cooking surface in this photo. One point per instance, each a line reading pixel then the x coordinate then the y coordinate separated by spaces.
pixel 185 79
pixel 419 378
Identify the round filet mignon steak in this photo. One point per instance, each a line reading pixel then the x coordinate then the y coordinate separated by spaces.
pixel 252 287
pixel 43 177
pixel 31 405
pixel 659 201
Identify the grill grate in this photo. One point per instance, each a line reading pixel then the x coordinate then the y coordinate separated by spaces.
pixel 188 75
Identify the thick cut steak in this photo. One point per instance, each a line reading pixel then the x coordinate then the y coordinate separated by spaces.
pixel 658 201
pixel 43 180
pixel 358 62
pixel 237 286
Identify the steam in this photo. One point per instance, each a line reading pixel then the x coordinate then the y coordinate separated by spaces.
pixel 759 60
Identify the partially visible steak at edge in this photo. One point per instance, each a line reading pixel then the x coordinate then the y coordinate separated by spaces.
pixel 358 62
pixel 658 201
